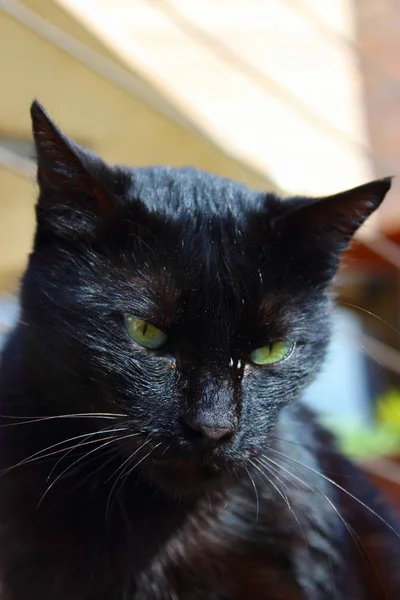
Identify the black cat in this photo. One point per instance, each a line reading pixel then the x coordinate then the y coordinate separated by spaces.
pixel 153 445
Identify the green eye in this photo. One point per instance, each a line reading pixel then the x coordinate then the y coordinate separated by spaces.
pixel 145 333
pixel 271 354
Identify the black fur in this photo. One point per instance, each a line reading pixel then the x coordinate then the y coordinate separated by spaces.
pixel 141 505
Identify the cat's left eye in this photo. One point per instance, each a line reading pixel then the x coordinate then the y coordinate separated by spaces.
pixel 144 333
pixel 272 353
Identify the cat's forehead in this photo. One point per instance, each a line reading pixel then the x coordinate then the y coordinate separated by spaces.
pixel 205 280
pixel 202 236
pixel 171 191
pixel 198 223
pixel 206 245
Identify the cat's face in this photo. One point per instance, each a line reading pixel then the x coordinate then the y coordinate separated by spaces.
pixel 191 304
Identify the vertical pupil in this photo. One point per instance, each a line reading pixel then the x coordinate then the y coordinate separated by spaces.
pixel 144 329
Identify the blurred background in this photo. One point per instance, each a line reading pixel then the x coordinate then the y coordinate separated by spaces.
pixel 290 95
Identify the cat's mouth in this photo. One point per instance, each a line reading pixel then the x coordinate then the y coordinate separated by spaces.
pixel 179 472
pixel 184 476
pixel 185 465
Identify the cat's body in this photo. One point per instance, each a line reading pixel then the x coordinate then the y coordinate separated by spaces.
pixel 180 466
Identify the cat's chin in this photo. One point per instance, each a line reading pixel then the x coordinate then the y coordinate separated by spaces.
pixel 185 478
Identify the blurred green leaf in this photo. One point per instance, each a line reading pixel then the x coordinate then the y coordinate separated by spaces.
pixel 388 411
pixel 383 439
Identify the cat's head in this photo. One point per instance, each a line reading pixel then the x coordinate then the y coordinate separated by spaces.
pixel 190 303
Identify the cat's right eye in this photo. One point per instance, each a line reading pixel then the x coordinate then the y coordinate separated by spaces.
pixel 272 353
pixel 145 334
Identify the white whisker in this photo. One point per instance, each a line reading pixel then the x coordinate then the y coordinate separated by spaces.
pixel 337 485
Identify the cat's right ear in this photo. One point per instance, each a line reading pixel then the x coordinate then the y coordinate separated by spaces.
pixel 77 188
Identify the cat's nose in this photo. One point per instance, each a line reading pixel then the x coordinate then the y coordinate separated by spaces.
pixel 208 431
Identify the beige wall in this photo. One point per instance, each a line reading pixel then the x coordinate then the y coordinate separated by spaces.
pixel 111 122
pixel 16 225
pixel 277 81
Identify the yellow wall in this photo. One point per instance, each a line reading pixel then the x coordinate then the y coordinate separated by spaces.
pixel 89 108
pixel 16 225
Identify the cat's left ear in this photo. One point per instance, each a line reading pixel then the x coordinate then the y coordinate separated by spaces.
pixel 76 186
pixel 314 232
pixel 335 219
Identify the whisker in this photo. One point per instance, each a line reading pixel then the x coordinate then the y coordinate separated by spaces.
pixel 255 492
pixel 337 485
pixel 358 345
pixel 28 420
pixel 368 312
pixel 129 457
pixel 124 477
pixel 91 474
pixel 37 456
pixel 88 436
pixel 140 461
pixel 119 472
pixel 279 439
pixel 292 481
pixel 282 494
pixel 356 539
pixel 110 440
pixel 313 490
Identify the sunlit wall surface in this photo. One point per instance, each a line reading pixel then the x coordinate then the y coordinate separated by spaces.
pixel 278 81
